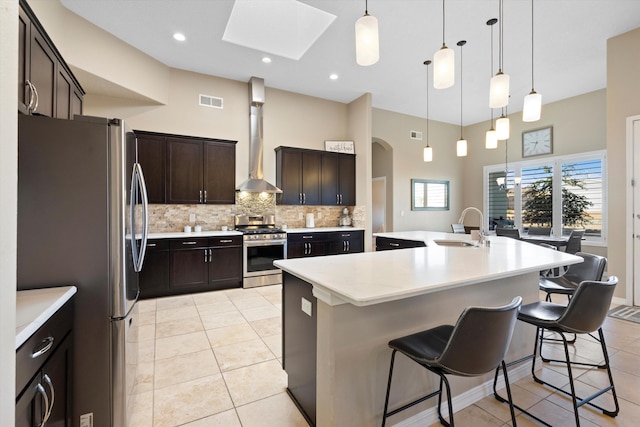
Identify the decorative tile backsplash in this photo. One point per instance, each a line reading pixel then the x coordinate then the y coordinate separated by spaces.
pixel 171 218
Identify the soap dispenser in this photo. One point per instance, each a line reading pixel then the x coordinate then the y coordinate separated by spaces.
pixel 345 219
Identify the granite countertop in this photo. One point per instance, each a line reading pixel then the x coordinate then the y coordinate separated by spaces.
pixel 34 307
pixel 371 278
pixel 322 229
pixel 193 234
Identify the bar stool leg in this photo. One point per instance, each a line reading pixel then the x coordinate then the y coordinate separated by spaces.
pixel 443 380
pixel 386 399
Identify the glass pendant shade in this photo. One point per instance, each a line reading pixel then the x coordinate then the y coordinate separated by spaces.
pixel 444 71
pixel 367 47
pixel 491 139
pixel 427 154
pixel 517 180
pixel 499 91
pixel 461 148
pixel 502 128
pixel 532 107
pixel 500 181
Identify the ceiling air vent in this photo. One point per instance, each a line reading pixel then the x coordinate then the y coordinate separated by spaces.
pixel 210 101
pixel 414 134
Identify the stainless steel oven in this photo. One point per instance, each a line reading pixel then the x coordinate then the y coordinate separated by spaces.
pixel 262 245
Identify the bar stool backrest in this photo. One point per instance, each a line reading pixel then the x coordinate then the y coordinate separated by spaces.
pixel 508 232
pixel 592 268
pixel 574 244
pixel 539 231
pixel 588 307
pixel 480 339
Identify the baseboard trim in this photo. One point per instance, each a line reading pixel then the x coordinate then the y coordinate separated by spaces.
pixel 465 399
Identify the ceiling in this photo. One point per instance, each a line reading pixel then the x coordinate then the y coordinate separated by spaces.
pixel 570 48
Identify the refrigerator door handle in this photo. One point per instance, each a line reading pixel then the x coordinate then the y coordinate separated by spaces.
pixel 138 185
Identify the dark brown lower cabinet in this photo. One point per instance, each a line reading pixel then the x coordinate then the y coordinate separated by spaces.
pixel 48 377
pixel 319 243
pixel 178 266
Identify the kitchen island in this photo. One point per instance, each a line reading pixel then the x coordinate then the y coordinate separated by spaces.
pixel 339 312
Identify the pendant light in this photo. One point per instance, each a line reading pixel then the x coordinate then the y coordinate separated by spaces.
pixel 499 85
pixel 502 181
pixel 502 127
pixel 532 102
pixel 367 46
pixel 491 138
pixel 461 145
pixel 427 152
pixel 444 71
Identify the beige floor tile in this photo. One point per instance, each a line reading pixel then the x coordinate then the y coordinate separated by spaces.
pixel 274 299
pixel 176 313
pixel 242 354
pixel 181 344
pixel 276 410
pixel 473 416
pixel 178 327
pixel 633 347
pixel 179 301
pixel 253 302
pixel 190 401
pixel 268 327
pixel 274 342
pixel 258 313
pixel 220 320
pixel 626 362
pixel 216 307
pixel 204 298
pixel 147 318
pixel 146 351
pixel 231 334
pixel 494 407
pixel 223 419
pixel 141 410
pixel 240 293
pixel 627 385
pixel 146 305
pixel 255 382
pixel 144 377
pixel 271 290
pixel 556 415
pixel 147 332
pixel 185 367
pixel 628 416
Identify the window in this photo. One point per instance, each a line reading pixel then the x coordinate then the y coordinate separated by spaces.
pixel 429 195
pixel 564 193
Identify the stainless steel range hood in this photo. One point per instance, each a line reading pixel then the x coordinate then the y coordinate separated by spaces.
pixel 256 183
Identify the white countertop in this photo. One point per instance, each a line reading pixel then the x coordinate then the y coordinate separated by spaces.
pixel 34 307
pixel 193 234
pixel 375 277
pixel 322 229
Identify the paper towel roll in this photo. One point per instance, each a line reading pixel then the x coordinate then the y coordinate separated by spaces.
pixel 310 221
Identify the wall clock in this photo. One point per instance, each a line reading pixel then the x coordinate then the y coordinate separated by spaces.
pixel 537 142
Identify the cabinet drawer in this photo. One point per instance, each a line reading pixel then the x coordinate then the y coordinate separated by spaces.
pixel 225 241
pixel 43 342
pixel 308 237
pixel 189 243
pixel 158 245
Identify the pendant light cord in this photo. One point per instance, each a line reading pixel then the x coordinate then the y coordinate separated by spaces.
pixel 491 70
pixel 443 23
pixel 366 7
pixel 501 38
pixel 461 89
pixel 427 64
pixel 532 86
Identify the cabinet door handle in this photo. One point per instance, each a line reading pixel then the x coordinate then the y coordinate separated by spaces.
pixel 348 246
pixel 226 241
pixel 46 414
pixel 200 196
pixel 394 244
pixel 344 246
pixel 46 345
pixel 304 198
pixel 189 243
pixel 205 196
pixel 151 245
pixel 300 197
pixel 307 237
pixel 210 255
pixel 47 379
pixel 340 198
pixel 337 199
pixel 31 95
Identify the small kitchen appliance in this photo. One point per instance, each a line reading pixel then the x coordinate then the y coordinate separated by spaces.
pixel 309 223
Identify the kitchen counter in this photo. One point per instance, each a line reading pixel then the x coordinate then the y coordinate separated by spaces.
pixel 34 307
pixel 376 277
pixel 335 350
pixel 183 235
pixel 322 229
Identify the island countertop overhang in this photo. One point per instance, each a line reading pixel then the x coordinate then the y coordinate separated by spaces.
pixel 376 277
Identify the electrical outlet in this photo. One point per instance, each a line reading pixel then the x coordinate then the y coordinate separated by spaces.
pixel 192 217
pixel 306 306
pixel 300 215
pixel 319 215
pixel 86 420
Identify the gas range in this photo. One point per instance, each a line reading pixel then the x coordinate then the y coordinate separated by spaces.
pixel 259 227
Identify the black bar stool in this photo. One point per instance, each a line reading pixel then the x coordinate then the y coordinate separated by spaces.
pixel 476 345
pixel 585 314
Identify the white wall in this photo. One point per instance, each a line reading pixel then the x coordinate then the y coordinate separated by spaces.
pixel 8 195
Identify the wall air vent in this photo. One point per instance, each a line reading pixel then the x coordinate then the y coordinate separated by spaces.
pixel 210 101
pixel 414 134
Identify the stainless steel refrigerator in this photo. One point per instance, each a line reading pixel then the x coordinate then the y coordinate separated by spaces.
pixel 83 220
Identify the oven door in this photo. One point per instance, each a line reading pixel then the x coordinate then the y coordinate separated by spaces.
pixel 260 255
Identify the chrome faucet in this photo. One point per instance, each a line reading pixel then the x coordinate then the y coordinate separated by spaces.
pixel 471 208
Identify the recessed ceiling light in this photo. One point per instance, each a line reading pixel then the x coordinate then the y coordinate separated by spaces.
pixel 179 36
pixel 333 76
pixel 266 60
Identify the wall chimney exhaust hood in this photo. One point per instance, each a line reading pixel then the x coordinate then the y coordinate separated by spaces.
pixel 256 183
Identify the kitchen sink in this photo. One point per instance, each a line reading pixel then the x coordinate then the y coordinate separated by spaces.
pixel 457 243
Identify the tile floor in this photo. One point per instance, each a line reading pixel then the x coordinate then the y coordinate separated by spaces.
pixel 214 359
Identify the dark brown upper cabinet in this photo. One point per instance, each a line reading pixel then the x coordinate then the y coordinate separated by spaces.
pixel 313 177
pixel 187 170
pixel 46 85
